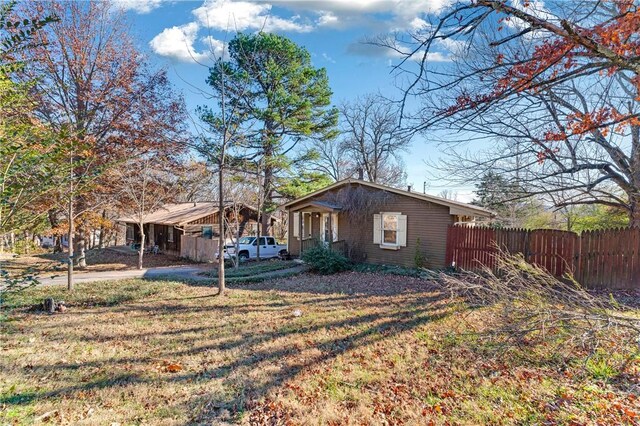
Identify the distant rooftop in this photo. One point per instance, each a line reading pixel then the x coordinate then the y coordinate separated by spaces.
pixel 177 214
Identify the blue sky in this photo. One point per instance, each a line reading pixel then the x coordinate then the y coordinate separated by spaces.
pixel 181 35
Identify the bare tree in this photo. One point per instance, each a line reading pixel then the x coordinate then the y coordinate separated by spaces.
pixel 332 159
pixel 220 142
pixel 94 88
pixel 552 87
pixel 147 184
pixel 448 194
pixel 371 136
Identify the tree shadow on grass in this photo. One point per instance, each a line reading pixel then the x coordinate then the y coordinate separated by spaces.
pixel 259 359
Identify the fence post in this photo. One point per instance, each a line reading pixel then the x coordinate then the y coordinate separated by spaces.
pixel 577 266
pixel 447 257
pixel 525 249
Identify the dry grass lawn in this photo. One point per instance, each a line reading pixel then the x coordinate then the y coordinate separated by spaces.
pixel 366 349
pixel 97 260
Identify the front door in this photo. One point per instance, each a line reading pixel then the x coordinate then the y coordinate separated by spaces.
pixel 329 229
pixel 325 230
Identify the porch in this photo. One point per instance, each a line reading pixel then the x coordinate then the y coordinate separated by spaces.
pixel 166 237
pixel 313 224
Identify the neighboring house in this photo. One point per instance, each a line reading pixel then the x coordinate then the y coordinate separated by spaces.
pixel 166 225
pixel 376 223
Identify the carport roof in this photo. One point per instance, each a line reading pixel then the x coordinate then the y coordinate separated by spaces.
pixel 177 214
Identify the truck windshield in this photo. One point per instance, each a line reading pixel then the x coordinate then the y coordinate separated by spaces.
pixel 246 240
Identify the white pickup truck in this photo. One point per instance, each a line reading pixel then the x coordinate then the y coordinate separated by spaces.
pixel 248 248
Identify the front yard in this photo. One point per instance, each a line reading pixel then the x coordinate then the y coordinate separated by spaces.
pixel 353 348
pixel 98 260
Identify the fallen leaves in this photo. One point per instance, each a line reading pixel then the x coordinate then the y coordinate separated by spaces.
pixel 360 354
pixel 170 367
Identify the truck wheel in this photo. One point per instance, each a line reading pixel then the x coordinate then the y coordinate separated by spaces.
pixel 243 256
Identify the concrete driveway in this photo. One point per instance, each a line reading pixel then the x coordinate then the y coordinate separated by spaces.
pixel 179 272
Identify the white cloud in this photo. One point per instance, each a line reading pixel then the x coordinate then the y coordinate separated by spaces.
pixel 138 6
pixel 380 16
pixel 177 43
pixel 402 14
pixel 417 24
pixel 436 57
pixel 328 58
pixel 245 15
pixel 328 19
pixel 215 48
pixel 399 7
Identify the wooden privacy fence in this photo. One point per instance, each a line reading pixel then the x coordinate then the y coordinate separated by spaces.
pixel 597 259
pixel 198 248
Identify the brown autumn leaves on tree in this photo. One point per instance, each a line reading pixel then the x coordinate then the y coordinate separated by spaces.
pixel 108 106
pixel 555 85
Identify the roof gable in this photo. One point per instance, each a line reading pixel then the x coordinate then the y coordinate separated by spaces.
pixel 455 207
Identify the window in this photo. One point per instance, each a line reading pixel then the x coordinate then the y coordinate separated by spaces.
pixel 246 240
pixel 130 231
pixel 207 232
pixel 263 241
pixel 390 229
pixel 271 241
pixel 170 232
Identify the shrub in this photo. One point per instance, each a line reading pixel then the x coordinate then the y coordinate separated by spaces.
pixel 419 258
pixel 325 261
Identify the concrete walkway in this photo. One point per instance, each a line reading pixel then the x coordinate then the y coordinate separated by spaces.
pixel 186 272
pixel 179 272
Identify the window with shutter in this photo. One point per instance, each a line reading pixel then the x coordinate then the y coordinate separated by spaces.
pixel 391 229
pixel 401 238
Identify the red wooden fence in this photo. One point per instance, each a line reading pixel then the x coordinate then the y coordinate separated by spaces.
pixel 597 259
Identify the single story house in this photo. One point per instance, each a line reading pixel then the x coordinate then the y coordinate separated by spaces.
pixel 376 223
pixel 166 225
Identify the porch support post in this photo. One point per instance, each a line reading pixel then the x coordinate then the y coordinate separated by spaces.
pixel 301 215
pixel 330 232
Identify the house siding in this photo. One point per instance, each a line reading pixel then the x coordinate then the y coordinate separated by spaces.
pixel 426 221
pixel 247 219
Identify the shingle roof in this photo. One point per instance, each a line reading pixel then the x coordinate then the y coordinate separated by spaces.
pixel 176 214
pixel 455 207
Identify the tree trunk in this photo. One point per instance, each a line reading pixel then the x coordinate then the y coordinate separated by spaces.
pixel 258 232
pixel 82 246
pixel 27 248
pixel 268 199
pixel 102 231
pixel 70 233
pixel 57 239
pixel 141 251
pixel 221 282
